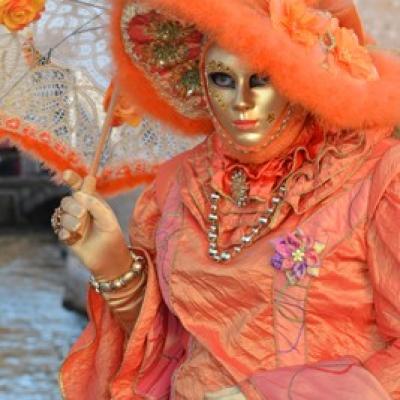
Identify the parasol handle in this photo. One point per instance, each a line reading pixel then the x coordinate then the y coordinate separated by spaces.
pixel 89 182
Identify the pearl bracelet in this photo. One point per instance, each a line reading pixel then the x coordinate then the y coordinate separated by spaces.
pixel 109 286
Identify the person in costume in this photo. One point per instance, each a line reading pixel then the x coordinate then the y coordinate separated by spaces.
pixel 265 262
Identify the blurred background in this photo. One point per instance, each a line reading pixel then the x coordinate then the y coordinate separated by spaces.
pixel 42 286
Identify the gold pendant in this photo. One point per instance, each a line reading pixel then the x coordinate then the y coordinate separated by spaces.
pixel 239 188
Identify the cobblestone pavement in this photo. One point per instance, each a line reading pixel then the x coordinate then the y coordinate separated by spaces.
pixel 35 330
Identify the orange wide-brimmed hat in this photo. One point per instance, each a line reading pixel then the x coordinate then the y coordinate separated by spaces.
pixel 315 52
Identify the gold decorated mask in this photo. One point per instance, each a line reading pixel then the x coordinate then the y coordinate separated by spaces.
pixel 245 104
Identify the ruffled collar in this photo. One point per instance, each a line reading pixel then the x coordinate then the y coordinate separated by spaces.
pixel 261 179
pixel 342 158
pixel 322 164
pixel 313 170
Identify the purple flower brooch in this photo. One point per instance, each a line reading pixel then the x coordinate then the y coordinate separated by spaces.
pixel 297 255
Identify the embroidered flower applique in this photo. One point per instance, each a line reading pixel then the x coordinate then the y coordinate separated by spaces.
pixel 297 255
pixel 304 24
pixel 353 56
pixel 308 26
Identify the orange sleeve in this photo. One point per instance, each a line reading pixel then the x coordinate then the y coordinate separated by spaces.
pixel 103 360
pixel 126 303
pixel 144 220
pixel 383 240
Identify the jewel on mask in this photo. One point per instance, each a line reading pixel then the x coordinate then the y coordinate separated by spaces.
pixel 271 117
pixel 218 66
pixel 282 127
pixel 218 98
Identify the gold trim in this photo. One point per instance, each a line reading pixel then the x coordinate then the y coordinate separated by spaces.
pixel 189 107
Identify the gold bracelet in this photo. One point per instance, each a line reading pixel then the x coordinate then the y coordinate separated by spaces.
pixel 109 286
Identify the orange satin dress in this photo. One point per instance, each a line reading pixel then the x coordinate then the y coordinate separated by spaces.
pixel 205 327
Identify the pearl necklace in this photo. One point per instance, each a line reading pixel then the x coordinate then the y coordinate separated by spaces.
pixel 264 222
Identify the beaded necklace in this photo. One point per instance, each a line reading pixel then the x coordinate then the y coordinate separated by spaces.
pixel 247 240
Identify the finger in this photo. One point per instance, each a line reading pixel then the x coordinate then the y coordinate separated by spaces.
pixel 70 223
pixel 69 238
pixel 72 179
pixel 99 209
pixel 89 184
pixel 72 207
pixel 64 235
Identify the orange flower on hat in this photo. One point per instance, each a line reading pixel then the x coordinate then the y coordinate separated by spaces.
pixel 304 24
pixel 352 55
pixel 17 14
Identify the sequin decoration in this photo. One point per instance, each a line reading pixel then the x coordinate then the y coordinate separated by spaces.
pixel 168 52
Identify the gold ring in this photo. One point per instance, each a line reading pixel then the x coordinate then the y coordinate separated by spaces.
pixel 56 225
pixel 72 239
pixel 56 220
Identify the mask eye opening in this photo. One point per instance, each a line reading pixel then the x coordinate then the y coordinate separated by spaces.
pixel 222 80
pixel 257 80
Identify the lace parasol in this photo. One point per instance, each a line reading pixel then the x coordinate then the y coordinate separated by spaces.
pixel 53 80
